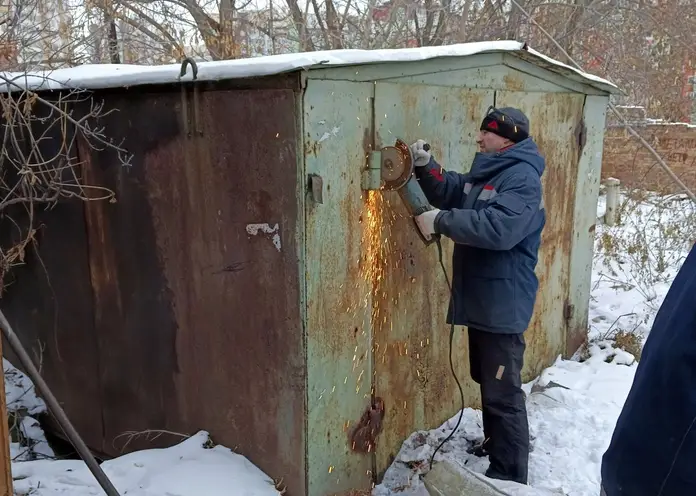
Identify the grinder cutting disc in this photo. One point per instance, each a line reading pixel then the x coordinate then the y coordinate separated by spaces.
pixel 397 165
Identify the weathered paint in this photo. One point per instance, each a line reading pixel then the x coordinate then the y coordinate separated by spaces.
pixel 382 72
pixel 410 331
pixel 437 71
pixel 338 288
pixel 236 294
pixel 198 314
pixel 585 217
pixel 127 282
pixel 553 118
pixel 497 77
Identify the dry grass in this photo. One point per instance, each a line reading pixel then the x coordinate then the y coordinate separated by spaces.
pixel 629 342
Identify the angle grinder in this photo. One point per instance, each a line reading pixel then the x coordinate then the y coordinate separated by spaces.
pixel 397 169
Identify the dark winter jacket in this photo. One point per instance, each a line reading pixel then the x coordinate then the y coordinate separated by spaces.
pixel 495 216
pixel 653 449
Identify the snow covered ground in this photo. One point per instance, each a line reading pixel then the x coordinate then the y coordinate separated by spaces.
pixel 573 405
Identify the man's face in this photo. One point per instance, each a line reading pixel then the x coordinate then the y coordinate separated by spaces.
pixel 490 142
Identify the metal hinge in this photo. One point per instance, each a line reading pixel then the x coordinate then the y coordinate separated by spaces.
pixel 363 436
pixel 581 136
pixel 568 312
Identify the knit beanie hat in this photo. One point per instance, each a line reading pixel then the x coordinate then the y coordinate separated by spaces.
pixel 508 122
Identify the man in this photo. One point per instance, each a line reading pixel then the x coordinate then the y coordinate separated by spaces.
pixel 653 449
pixel 495 216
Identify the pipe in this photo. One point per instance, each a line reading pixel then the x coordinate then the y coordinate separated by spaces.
pixel 55 408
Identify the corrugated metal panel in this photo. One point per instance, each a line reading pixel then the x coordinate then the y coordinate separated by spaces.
pixel 554 118
pixel 337 132
pixel 411 335
pixel 195 273
pixel 585 217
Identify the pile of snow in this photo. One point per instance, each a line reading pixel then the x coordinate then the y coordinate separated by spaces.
pixel 29 441
pixel 190 468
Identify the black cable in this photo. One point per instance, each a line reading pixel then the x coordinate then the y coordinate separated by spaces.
pixel 451 340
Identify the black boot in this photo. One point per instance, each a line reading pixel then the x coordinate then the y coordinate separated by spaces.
pixel 478 449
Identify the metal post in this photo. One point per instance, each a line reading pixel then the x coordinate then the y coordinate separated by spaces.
pixel 611 213
pixel 6 488
pixel 55 407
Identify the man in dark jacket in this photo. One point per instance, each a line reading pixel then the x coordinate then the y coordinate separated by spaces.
pixel 495 216
pixel 653 449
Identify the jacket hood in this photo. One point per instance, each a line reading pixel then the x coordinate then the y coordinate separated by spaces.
pixel 486 165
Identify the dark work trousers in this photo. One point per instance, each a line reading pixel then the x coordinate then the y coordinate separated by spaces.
pixel 496 363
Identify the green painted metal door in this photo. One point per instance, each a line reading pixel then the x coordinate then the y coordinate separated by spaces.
pixel 411 337
pixel 554 118
pixel 337 132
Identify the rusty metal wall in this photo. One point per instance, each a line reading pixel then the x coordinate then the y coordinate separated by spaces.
pixel 48 299
pixel 554 119
pixel 337 136
pixel 195 273
pixel 411 334
pixel 584 219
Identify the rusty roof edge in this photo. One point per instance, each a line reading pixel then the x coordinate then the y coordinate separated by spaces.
pixel 102 76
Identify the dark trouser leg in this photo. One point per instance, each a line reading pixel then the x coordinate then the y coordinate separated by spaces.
pixel 476 371
pixel 500 358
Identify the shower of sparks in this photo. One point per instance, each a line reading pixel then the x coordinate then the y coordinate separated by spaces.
pixel 375 303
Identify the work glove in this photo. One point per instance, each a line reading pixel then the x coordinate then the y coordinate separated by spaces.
pixel 421 157
pixel 426 222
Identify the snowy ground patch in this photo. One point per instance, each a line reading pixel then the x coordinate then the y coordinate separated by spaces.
pixel 28 438
pixel 195 467
pixel 191 468
pixel 636 261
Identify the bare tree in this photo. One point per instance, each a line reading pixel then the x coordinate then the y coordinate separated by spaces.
pixel 39 164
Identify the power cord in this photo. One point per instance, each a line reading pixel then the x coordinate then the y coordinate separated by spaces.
pixel 451 340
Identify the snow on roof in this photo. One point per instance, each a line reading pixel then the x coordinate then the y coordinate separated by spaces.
pixel 124 75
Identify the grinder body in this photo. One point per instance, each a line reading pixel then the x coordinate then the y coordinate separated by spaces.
pixel 416 202
pixel 397 173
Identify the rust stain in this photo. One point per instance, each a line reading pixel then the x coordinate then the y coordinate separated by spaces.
pixel 362 436
pixel 312 147
pixel 261 359
pixel 410 304
pixel 513 83
pixel 51 302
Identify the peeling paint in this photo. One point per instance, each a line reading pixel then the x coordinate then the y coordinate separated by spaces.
pixel 255 229
pixel 334 132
